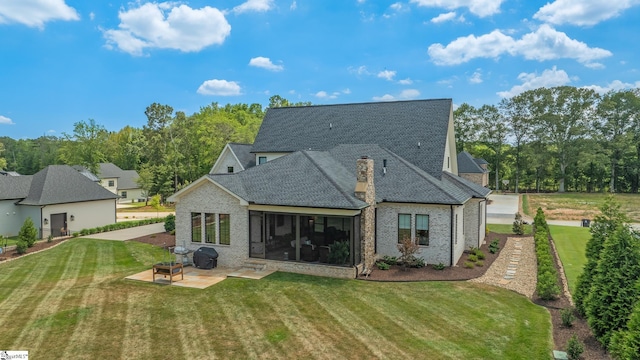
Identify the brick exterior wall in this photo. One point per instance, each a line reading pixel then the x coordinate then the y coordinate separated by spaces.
pixel 439 249
pixel 477 178
pixel 366 192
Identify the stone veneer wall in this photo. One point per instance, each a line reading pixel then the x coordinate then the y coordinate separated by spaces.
pixel 439 249
pixel 365 191
pixel 208 198
pixel 481 179
pixel 311 269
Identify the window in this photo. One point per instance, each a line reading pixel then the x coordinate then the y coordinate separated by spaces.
pixel 210 228
pixel 225 229
pixel 196 227
pixel 404 226
pixel 230 169
pixel 422 229
pixel 123 194
pixel 262 160
pixel 111 183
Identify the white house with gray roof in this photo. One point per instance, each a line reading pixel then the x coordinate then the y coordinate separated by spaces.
pixel 335 187
pixel 120 182
pixel 58 199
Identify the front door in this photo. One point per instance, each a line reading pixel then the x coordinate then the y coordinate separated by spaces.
pixel 58 224
pixel 257 242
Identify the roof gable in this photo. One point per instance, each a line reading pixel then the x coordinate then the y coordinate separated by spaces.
pixel 415 130
pixel 468 164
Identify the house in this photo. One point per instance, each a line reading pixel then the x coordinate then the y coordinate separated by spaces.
pixel 234 158
pixel 336 186
pixel 120 182
pixel 58 199
pixel 472 169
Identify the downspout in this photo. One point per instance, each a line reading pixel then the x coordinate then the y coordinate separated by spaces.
pixel 451 237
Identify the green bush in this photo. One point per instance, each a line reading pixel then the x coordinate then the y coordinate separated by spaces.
pixel 574 348
pixel 518 225
pixel 417 262
pixel 382 265
pixel 494 246
pixel 338 252
pixel 568 317
pixel 391 260
pixel 49 238
pixel 469 264
pixel 473 258
pixel 75 234
pixel 480 263
pixel 477 252
pixel 170 223
pixel 547 287
pixel 28 233
pixel 21 247
pixel 439 266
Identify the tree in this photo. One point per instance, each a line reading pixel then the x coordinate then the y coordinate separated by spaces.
pixel 408 248
pixel 3 161
pixel 516 111
pixel 85 146
pixel 467 126
pixel 603 227
pixel 28 233
pixel 145 182
pixel 625 344
pixel 614 292
pixel 616 113
pixel 494 134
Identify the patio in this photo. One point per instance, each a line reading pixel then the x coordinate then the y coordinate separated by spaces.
pixel 201 278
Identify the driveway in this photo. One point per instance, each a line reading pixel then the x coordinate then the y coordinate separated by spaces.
pixel 130 233
pixel 502 208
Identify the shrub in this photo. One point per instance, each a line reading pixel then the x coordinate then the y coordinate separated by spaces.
pixel 518 225
pixel 477 252
pixel 382 265
pixel 418 263
pixel 28 233
pixel 568 317
pixel 391 260
pixel 494 246
pixel 479 263
pixel 438 266
pixel 469 264
pixel 574 348
pixel 547 286
pixel 338 252
pixel 172 232
pixel 75 234
pixel 49 238
pixel 21 247
pixel 169 223
pixel 84 232
pixel 408 247
pixel 473 258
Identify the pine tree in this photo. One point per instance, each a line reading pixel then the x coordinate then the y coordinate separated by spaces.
pixel 614 292
pixel 625 344
pixel 28 233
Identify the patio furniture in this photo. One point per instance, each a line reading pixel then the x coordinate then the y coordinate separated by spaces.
pixel 308 253
pixel 169 269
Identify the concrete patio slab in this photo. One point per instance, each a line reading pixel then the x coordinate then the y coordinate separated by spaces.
pixel 201 278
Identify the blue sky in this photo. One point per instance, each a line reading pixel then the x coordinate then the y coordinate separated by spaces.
pixel 63 61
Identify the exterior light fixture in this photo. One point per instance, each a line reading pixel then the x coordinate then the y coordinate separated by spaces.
pixel 72 217
pixel 46 221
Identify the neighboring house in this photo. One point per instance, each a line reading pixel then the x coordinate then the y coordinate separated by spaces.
pixel 473 169
pixel 58 199
pixel 120 182
pixel 234 158
pixel 355 177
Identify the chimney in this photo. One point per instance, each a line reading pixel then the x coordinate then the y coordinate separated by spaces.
pixel 365 191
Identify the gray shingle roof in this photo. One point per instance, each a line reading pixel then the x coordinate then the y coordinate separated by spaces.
pixel 126 178
pixel 14 187
pixel 59 184
pixel 467 164
pixel 244 155
pixel 469 187
pixel 398 126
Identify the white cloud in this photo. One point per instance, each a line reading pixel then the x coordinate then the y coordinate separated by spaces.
pixel 450 16
pixel 615 85
pixel 346 91
pixel 92 16
pixel 387 74
pixel 476 78
pixel 360 70
pixel 6 121
pixel 168 26
pixel 408 94
pixel 254 5
pixel 265 63
pixel 325 95
pixel 545 43
pixel 406 81
pixel 35 13
pixel 293 6
pixel 396 6
pixel 549 78
pixel 219 87
pixel 480 8
pixel 582 13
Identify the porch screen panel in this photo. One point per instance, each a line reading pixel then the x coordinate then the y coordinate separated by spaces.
pixel 196 227
pixel 404 226
pixel 210 228
pixel 225 229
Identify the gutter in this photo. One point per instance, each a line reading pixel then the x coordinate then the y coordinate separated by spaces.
pixel 451 237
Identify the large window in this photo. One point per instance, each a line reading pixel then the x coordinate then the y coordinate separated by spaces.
pixel 196 227
pixel 404 226
pixel 225 229
pixel 422 229
pixel 210 228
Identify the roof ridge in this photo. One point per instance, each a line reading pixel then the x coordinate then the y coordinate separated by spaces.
pixel 326 175
pixel 360 103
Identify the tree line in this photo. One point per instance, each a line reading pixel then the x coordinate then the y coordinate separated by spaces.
pixel 557 139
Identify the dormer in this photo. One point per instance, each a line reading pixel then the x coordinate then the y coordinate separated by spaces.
pixel 233 158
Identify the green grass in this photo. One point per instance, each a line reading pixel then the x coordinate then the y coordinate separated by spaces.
pixel 525 205
pixel 140 207
pixel 10 241
pixel 576 206
pixel 570 243
pixel 507 228
pixel 73 302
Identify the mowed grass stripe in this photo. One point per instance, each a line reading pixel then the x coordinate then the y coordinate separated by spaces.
pixel 196 338
pixel 360 327
pixel 35 331
pixel 137 340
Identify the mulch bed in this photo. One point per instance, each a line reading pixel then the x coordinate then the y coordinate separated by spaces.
pixel 561 334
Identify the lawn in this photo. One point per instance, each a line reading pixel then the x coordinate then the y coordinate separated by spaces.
pixel 141 207
pixel 577 206
pixel 570 243
pixel 73 302
pixel 507 228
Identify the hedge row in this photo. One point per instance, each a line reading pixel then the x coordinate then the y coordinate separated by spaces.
pixel 117 226
pixel 547 287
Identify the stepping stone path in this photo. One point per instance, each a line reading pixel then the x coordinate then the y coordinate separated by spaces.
pixel 514 260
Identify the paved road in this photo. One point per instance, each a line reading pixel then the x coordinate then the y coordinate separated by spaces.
pixel 130 233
